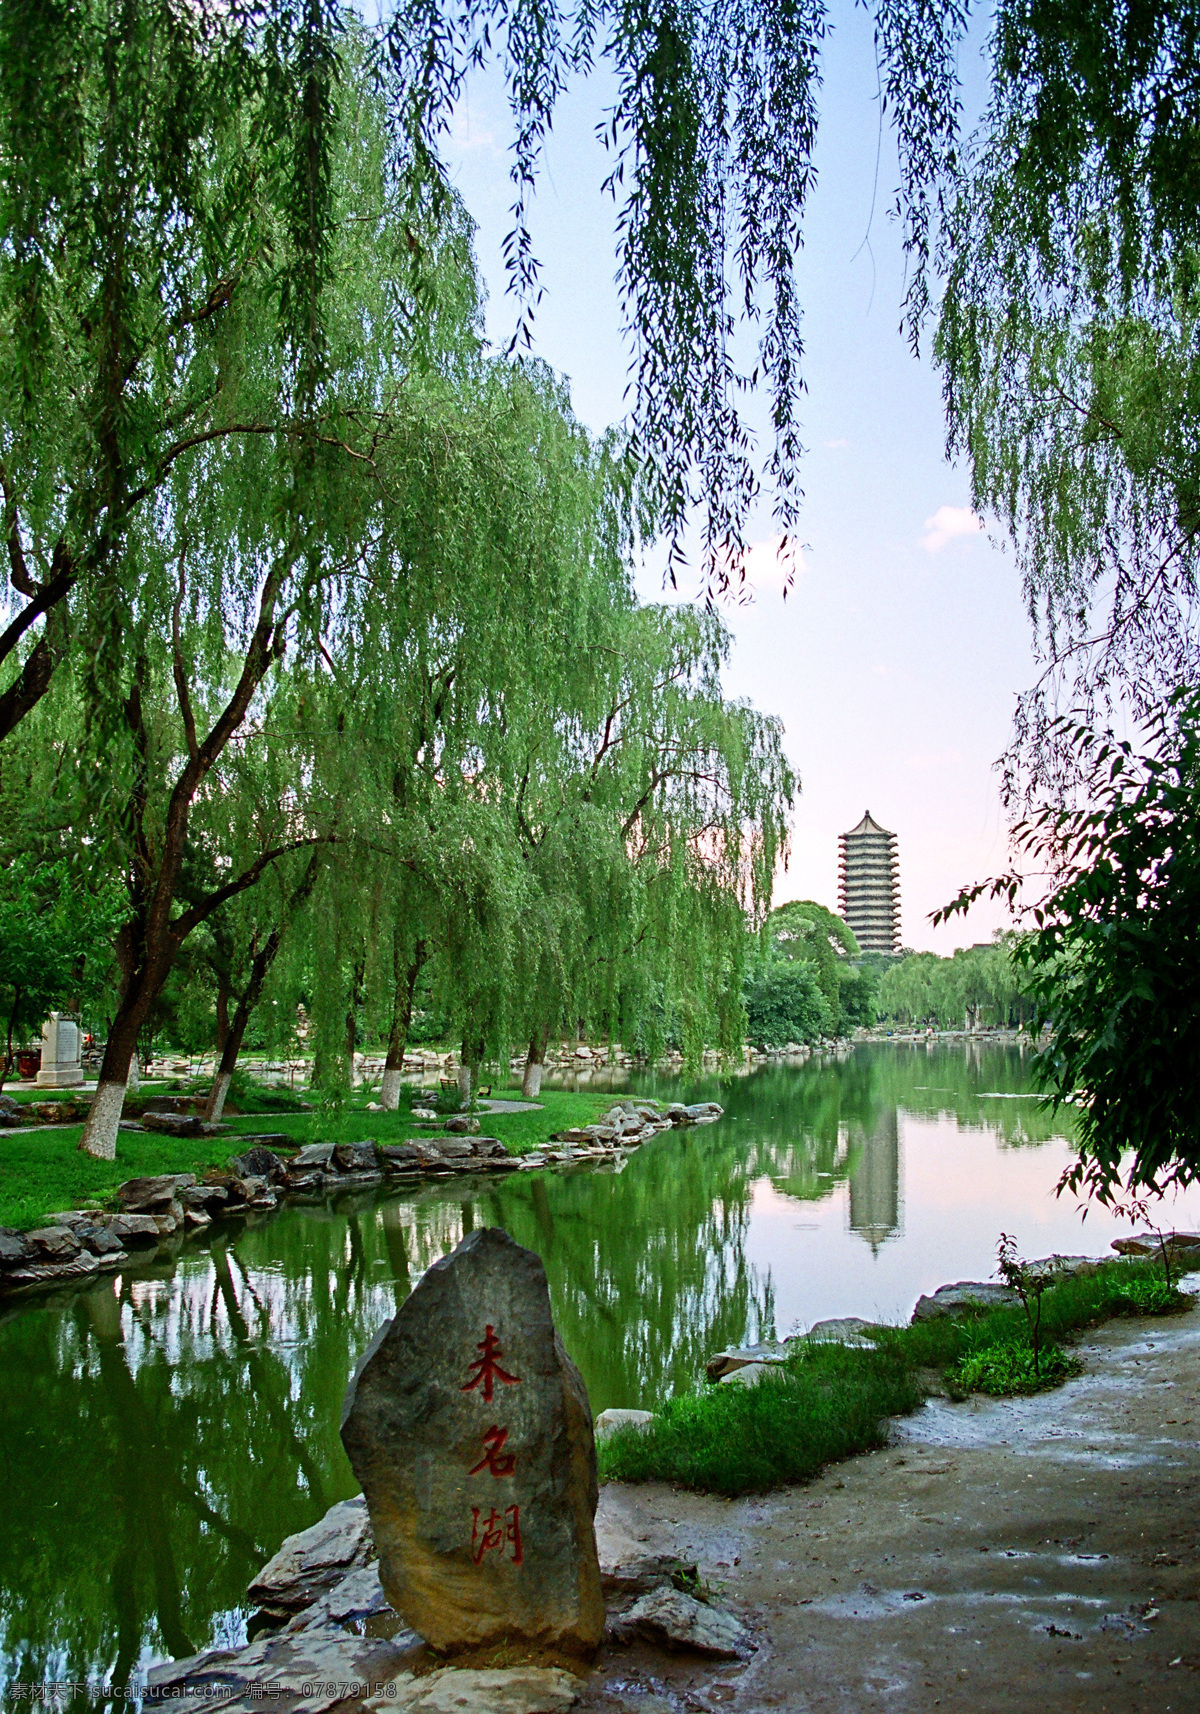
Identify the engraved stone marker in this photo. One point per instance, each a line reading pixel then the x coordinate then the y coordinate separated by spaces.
pixel 470 1430
pixel 61 1067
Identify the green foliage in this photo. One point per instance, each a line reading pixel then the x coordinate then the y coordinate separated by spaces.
pixel 54 943
pixel 1003 1370
pixel 784 1003
pixel 979 984
pixel 1102 964
pixel 1151 1296
pixel 1068 339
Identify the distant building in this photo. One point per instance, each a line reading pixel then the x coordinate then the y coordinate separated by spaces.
pixel 869 885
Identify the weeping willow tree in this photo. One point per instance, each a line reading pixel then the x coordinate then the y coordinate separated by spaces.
pixel 161 163
pixel 260 545
pixel 652 815
pixel 1069 339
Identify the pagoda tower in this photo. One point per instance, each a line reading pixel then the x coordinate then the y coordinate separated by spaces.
pixel 869 885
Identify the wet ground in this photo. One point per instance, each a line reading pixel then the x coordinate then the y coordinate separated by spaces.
pixel 1000 1556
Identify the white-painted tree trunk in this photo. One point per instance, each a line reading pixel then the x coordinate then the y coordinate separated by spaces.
pixel 103 1122
pixel 133 1081
pixel 464 1082
pixel 389 1091
pixel 215 1105
pixel 531 1082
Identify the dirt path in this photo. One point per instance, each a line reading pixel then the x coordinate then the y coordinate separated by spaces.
pixel 1035 1554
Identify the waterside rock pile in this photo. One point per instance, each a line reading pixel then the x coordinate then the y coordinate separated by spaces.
pixel 626 1126
pixel 322 1591
pixel 155 1211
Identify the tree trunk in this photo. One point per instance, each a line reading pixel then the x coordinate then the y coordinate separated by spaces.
pixel 117 1068
pixel 356 998
pixel 224 990
pixel 468 1069
pixel 402 1010
pixel 535 1061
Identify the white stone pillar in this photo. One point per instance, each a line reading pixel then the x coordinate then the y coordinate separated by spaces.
pixel 61 1067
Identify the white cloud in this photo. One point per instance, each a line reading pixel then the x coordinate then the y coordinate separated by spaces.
pixel 766 564
pixel 947 524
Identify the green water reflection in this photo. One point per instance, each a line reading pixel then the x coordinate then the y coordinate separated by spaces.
pixel 161 1433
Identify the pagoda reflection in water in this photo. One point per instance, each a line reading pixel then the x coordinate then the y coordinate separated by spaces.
pixel 875 1181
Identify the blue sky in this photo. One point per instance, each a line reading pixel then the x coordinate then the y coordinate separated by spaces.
pixel 895 660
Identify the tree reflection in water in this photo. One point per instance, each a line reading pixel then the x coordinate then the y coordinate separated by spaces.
pixel 162 1432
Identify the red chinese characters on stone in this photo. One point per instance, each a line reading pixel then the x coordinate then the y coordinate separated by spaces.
pixel 497 1533
pixel 486 1370
pixel 493 1443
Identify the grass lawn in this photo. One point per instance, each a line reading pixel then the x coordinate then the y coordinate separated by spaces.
pixel 828 1402
pixel 43 1171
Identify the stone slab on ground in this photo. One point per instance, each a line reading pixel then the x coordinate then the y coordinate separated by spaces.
pixel 741 1356
pixel 313 1561
pixel 495 1690
pixel 675 1620
pixel 470 1430
pixel 308 1671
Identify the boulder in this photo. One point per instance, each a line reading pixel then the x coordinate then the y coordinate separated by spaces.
pixel 146 1195
pixel 314 1156
pixel 1179 1244
pixel 355 1599
pixel 848 1330
pixel 15 1248
pixel 174 1124
pixel 258 1162
pixel 206 1198
pixel 639 1574
pixel 741 1357
pixel 677 1621
pixel 609 1421
pixel 356 1157
pixel 101 1241
pixel 54 1244
pixel 51 1273
pixel 750 1374
pixel 470 1430
pixel 132 1229
pixel 314 1561
pixel 10 1106
pixel 964 1298
pixel 462 1125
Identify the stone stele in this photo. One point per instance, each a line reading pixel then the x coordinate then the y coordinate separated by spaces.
pixel 470 1430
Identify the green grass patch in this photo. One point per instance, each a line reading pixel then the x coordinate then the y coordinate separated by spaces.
pixel 824 1404
pixel 1003 1370
pixel 43 1172
pixel 827 1403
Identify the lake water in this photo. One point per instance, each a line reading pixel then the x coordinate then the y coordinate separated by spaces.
pixel 162 1432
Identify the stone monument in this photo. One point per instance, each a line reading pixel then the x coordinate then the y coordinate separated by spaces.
pixel 470 1430
pixel 61 1066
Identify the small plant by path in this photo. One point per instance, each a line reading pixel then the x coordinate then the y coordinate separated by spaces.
pixel 1029 1285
